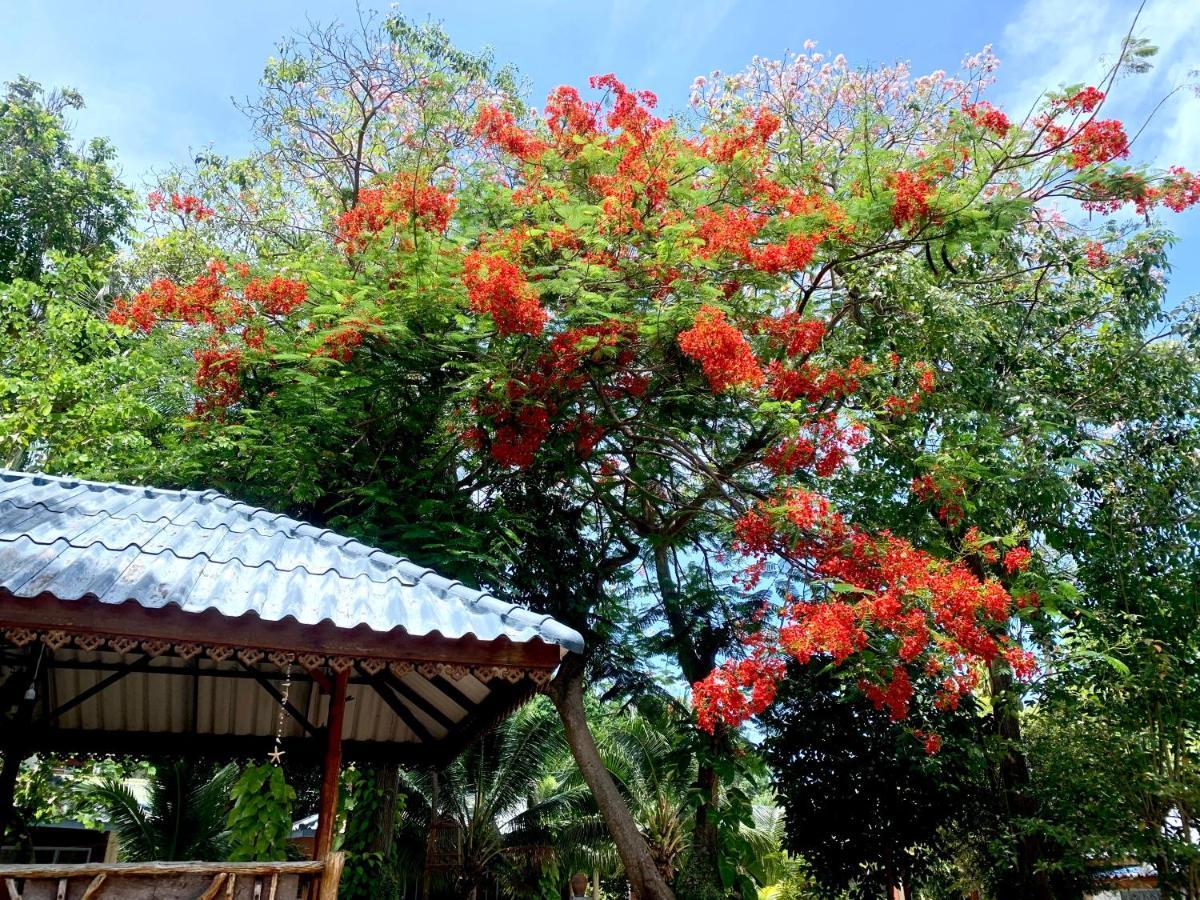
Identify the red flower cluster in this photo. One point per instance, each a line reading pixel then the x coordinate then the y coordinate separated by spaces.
pixel 496 287
pixel 276 297
pixel 736 692
pixel 1099 141
pixel 949 496
pixel 824 445
pixel 217 375
pixel 205 300
pixel 208 300
pixel 341 342
pixel 190 206
pixel 911 203
pixel 548 400
pixel 1094 252
pixel 187 205
pixel 740 139
pixel 926 381
pixel 1017 560
pixel 942 620
pixel 731 231
pixel 567 115
pixel 987 117
pixel 1179 191
pixel 896 694
pixel 234 322
pixel 630 112
pixel 499 128
pixel 796 335
pixel 519 434
pixel 722 351
pixel 404 199
pixel 1085 100
pixel 814 383
pixel 932 741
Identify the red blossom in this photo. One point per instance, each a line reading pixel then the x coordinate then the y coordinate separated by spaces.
pixel 722 148
pixel 496 287
pixel 1085 100
pixel 1099 141
pixel 931 742
pixel 1017 560
pixel 722 351
pixel 402 200
pixel 796 335
pixel 945 621
pixel 736 692
pixel 276 297
pixel 911 203
pixel 499 128
pixel 987 117
pixel 186 205
pixel 340 343
pixel 518 439
pixel 206 300
pixel 217 375
pixel 1094 252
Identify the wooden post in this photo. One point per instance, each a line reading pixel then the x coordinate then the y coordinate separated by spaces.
pixel 429 840
pixel 15 747
pixel 331 875
pixel 327 814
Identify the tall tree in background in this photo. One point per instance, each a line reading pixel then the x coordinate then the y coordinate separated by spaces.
pixel 53 197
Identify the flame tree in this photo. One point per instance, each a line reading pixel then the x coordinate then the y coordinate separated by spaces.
pixel 652 338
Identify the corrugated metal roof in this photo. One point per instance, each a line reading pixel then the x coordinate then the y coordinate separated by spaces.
pixel 200 550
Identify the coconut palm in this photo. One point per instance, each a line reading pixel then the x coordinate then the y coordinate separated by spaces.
pixel 654 764
pixel 493 803
pixel 183 819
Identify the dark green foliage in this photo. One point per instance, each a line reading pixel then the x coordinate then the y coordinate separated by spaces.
pixel 184 818
pixel 865 804
pixel 53 198
pixel 260 821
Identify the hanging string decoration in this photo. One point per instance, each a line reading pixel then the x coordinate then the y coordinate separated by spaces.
pixel 276 755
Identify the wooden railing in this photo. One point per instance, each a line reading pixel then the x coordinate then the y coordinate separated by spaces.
pixel 304 880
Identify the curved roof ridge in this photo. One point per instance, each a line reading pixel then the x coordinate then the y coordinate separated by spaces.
pixel 401 593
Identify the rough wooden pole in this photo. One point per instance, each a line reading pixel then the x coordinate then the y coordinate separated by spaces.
pixel 327 815
pixel 430 848
pixel 14 747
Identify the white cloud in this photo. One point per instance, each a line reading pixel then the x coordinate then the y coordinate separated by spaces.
pixel 1055 42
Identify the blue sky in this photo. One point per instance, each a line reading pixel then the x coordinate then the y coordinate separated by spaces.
pixel 158 77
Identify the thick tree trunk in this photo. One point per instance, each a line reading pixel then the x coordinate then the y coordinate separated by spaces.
pixel 566 691
pixel 695 663
pixel 1026 882
pixel 703 856
pixel 386 784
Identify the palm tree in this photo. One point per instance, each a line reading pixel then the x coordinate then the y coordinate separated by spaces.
pixel 649 755
pixel 494 798
pixel 184 818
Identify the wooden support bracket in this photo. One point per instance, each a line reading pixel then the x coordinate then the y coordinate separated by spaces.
pixel 215 888
pixel 94 886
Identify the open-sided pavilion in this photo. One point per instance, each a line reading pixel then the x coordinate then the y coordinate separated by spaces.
pixel 142 621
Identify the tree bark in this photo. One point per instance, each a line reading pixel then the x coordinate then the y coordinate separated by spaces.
pixel 566 692
pixel 695 662
pixel 1026 882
